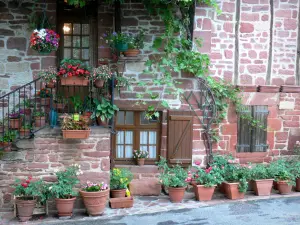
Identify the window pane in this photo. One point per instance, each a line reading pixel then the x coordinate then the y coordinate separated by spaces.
pixel 143 137
pixel 129 117
pixel 76 41
pixel 67 53
pixel 76 28
pixel 152 151
pixel 129 137
pixel 76 53
pixel 67 41
pixel 120 151
pixel 120 117
pixel 143 119
pixel 85 41
pixel 85 54
pixel 144 148
pixel 67 28
pixel 128 151
pixel 152 137
pixel 120 137
pixel 85 29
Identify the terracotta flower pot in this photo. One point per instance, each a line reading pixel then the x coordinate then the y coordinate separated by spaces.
pixel 263 187
pixel 297 184
pixel 118 193
pixel 15 123
pixel 283 187
pixel 24 132
pixel 51 84
pixel 176 194
pixel 101 123
pixel 132 52
pixel 40 121
pixel 25 209
pixel 65 206
pixel 232 191
pixel 95 201
pixel 74 81
pixel 118 203
pixel 5 146
pixel 99 83
pixel 204 193
pixel 140 162
pixel 76 134
pixel 45 101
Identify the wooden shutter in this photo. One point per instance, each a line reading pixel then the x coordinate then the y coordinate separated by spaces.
pixel 244 131
pixel 259 135
pixel 180 137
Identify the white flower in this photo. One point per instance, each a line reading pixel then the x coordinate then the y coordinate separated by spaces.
pixel 50 188
pixel 35 30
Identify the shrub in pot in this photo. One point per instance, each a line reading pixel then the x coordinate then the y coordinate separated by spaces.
pixel 39 118
pixel 206 181
pixel 119 180
pixel 285 181
pixel 75 129
pixel 25 130
pixel 263 177
pixel 140 156
pixel 27 194
pixel 135 44
pixel 276 167
pixel 174 178
pixel 101 75
pixel 48 76
pixel 6 139
pixel 63 190
pixel 104 111
pixel 94 197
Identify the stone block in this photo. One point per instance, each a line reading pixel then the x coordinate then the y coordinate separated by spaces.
pixel 286 105
pixel 229 129
pixel 6 32
pixel 18 43
pixel 18 67
pixel 145 187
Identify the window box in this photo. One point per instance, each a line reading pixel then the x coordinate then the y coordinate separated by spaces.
pixel 76 134
pixel 74 81
pixel 117 203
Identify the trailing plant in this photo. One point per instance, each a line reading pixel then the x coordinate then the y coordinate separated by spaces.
pixel 44 40
pixel 120 178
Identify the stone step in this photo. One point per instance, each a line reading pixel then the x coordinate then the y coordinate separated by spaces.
pixel 145 187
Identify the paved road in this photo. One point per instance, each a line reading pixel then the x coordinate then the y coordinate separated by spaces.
pixel 282 211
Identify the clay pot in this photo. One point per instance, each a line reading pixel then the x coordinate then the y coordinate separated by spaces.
pixel 51 84
pixel 45 101
pixel 99 83
pixel 263 187
pixel 297 184
pixel 118 203
pixel 95 201
pixel 118 193
pixel 65 206
pixel 204 193
pixel 40 121
pixel 5 146
pixel 232 191
pixel 176 194
pixel 76 134
pixel 140 162
pixel 74 81
pixel 15 123
pixel 24 132
pixel 132 52
pixel 101 123
pixel 25 209
pixel 283 187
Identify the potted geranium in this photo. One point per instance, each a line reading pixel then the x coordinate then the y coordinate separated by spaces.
pixel 119 180
pixel 262 176
pixel 39 118
pixel 44 95
pixel 140 156
pixel 63 190
pixel 285 181
pixel 206 182
pixel 100 75
pixel 174 178
pixel 44 40
pixel 94 197
pixel 48 76
pixel 103 111
pixel 118 40
pixel 73 72
pixel 135 44
pixel 27 193
pixel 75 129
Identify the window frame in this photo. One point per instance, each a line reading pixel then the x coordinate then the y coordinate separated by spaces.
pixel 136 127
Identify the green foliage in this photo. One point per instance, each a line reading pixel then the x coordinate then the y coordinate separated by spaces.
pixel 66 181
pixel 174 176
pixel 77 103
pixel 262 171
pixel 235 173
pixel 208 177
pixel 39 114
pixel 120 178
pixel 68 123
pixel 283 171
pixel 104 109
pixel 9 136
pixel 137 41
pixel 30 189
pixel 117 38
pixel 78 3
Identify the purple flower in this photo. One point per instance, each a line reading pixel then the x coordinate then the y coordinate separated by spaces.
pixel 104 35
pixel 114 33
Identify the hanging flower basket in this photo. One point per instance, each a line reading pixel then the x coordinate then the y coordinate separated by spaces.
pixel 44 41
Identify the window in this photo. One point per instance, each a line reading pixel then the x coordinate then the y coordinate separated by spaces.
pixel 252 139
pixel 134 131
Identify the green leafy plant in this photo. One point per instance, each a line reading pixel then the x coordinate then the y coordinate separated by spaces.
pixel 140 154
pixel 29 189
pixel 117 38
pixel 9 136
pixel 283 171
pixel 68 123
pixel 94 187
pixel 77 103
pixel 104 109
pixel 26 126
pixel 262 171
pixel 88 104
pixel 208 177
pixel 235 173
pixel 66 182
pixel 39 114
pixel 174 176
pixel 44 93
pixel 120 178
pixel 137 41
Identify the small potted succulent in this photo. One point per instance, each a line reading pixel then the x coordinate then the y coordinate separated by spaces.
pixel 27 193
pixel 140 156
pixel 6 139
pixel 48 76
pixel 15 119
pixel 44 95
pixel 73 72
pixel 64 190
pixel 174 178
pixel 94 197
pixel 206 182
pixel 119 181
pixel 263 177
pixel 25 130
pixel 101 74
pixel 104 111
pixel 118 40
pixel 39 118
pixel 135 44
pixel 73 129
pixel 44 41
